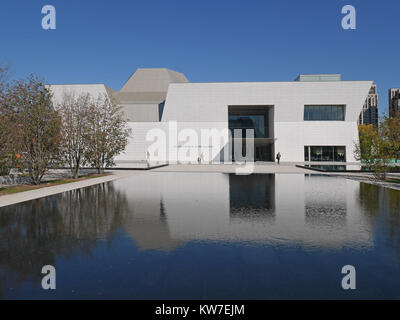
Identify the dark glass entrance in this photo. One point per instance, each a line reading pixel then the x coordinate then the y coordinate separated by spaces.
pixel 260 120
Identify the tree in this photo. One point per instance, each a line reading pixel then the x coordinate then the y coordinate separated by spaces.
pixel 6 126
pixel 37 125
pixel 7 132
pixel 378 147
pixel 74 113
pixel 4 76
pixel 107 134
pixel 390 130
pixel 366 149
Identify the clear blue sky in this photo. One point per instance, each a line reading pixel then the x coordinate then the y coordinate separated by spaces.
pixel 220 40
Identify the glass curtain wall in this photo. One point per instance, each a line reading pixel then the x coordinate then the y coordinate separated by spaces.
pixel 323 113
pixel 325 153
pixel 243 122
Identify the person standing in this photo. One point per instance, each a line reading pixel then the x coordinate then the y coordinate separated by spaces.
pixel 278 157
pixel 148 158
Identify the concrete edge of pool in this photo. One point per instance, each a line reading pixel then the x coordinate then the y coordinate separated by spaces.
pixel 11 199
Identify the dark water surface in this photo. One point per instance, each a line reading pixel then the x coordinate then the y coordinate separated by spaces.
pixel 205 236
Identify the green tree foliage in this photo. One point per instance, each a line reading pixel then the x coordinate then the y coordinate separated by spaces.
pixel 379 147
pixel 366 150
pixel 390 131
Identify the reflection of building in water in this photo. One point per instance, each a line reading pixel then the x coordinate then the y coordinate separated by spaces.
pixel 252 197
pixel 333 215
pixel 148 227
pixel 170 209
pixel 326 204
pixel 146 221
pixel 194 206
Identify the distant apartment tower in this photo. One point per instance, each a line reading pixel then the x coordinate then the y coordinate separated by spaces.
pixel 369 113
pixel 394 103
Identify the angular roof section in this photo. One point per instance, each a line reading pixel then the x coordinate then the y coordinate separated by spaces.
pixel 139 97
pixel 152 80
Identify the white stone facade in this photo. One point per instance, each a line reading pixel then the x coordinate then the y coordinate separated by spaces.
pixel 205 105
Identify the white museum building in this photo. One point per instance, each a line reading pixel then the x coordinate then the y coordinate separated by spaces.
pixel 313 118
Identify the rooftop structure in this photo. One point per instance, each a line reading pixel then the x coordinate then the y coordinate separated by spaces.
pixel 318 77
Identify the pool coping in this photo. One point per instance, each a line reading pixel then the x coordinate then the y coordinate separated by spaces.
pixel 15 198
pixel 339 171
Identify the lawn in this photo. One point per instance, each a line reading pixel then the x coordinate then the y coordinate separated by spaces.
pixel 392 180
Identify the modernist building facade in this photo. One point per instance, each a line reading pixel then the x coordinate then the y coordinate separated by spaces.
pixel 313 118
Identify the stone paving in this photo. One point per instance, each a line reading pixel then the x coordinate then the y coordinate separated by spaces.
pixel 231 168
pixel 283 168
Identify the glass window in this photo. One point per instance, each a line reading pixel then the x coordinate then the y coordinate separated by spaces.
pixel 306 114
pixel 324 113
pixel 316 153
pixel 255 122
pixel 331 113
pixel 340 154
pixel 340 114
pixel 325 153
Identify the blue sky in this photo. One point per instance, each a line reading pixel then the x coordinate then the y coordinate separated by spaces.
pixel 100 41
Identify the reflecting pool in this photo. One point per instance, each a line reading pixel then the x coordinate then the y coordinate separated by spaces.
pixel 205 236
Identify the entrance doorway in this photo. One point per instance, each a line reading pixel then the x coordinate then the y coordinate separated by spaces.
pixel 260 119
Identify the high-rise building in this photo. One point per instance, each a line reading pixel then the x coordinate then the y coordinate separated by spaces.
pixel 394 102
pixel 369 113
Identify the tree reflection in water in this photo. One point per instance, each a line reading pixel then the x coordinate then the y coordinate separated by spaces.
pixel 34 233
pixel 382 206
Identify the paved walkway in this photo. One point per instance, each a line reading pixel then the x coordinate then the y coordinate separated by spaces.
pixel 284 168
pixel 48 191
pixel 231 168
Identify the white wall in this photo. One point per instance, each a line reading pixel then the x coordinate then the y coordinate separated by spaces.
pixel 58 91
pixel 141 112
pixel 208 102
pixel 293 136
pixel 205 105
pixel 175 144
pixel 137 147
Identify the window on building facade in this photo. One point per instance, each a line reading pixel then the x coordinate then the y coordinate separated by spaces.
pixel 325 153
pixel 324 113
pixel 243 122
